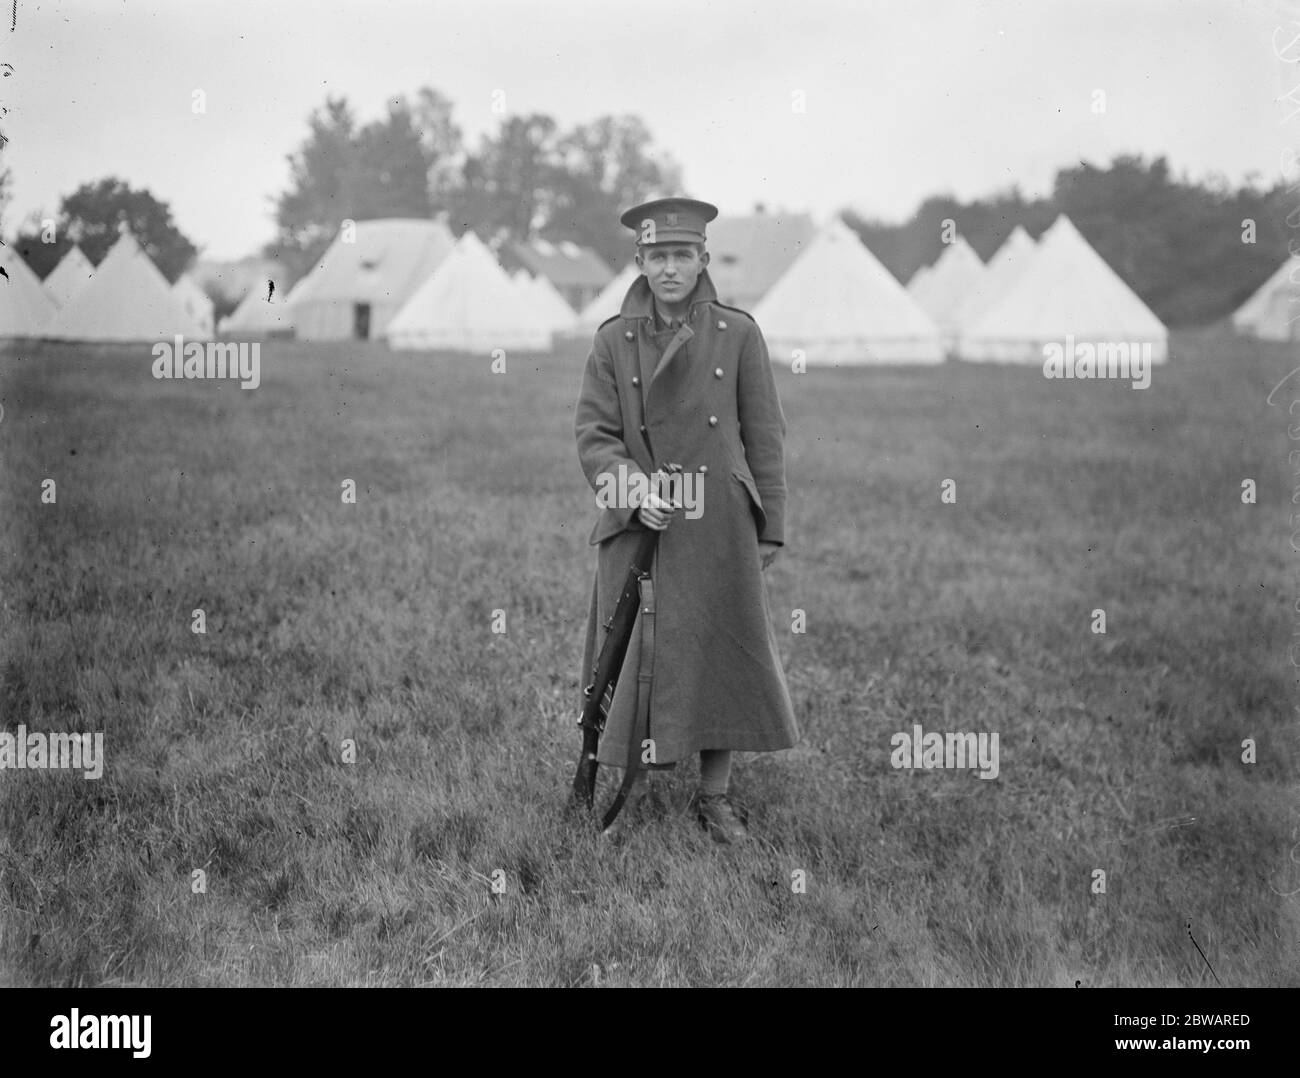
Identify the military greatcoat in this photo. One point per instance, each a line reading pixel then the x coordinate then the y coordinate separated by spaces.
pixel 703 397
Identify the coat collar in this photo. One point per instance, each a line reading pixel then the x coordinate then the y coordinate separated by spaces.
pixel 639 301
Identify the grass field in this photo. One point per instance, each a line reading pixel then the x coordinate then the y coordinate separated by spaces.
pixel 373 622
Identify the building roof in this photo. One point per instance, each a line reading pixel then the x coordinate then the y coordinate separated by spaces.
pixel 564 264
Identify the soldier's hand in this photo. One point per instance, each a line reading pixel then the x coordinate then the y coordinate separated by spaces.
pixel 655 513
pixel 768 552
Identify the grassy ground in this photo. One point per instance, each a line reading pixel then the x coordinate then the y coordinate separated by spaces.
pixel 372 622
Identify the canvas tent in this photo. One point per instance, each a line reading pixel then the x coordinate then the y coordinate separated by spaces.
pixel 1003 268
pixel 299 290
pixel 610 300
pixel 469 304
pixel 26 309
pixel 917 279
pixel 258 316
pixel 527 300
pixel 367 275
pixel 69 277
pixel 949 288
pixel 522 281
pixel 196 302
pixel 550 306
pixel 1272 313
pixel 128 299
pixel 1064 288
pixel 839 305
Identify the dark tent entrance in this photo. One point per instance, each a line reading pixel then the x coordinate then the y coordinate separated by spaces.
pixel 361 321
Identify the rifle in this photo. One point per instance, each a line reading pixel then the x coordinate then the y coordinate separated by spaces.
pixel 599 695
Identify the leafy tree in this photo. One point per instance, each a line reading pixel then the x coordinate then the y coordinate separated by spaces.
pixel 442 141
pixel 344 173
pixel 319 198
pixel 389 169
pixel 604 167
pixel 1176 242
pixel 29 241
pixel 524 180
pixel 505 185
pixel 91 217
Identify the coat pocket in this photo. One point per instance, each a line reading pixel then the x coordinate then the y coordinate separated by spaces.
pixel 747 481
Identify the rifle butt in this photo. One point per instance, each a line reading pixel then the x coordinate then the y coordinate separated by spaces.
pixel 584 779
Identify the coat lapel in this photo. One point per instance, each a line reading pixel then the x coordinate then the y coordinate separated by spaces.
pixel 680 338
pixel 645 354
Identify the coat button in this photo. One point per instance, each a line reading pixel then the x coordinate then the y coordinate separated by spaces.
pixel 636 381
pixel 722 324
pixel 717 373
pixel 713 421
pixel 703 469
pixel 642 428
pixel 629 335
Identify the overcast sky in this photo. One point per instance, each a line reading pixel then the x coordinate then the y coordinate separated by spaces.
pixel 902 99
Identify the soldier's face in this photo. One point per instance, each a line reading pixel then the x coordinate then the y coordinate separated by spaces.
pixel 671 269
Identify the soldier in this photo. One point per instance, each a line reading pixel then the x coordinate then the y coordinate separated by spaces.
pixel 679 377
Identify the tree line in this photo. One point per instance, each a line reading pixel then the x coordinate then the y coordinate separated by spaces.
pixel 1193 250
